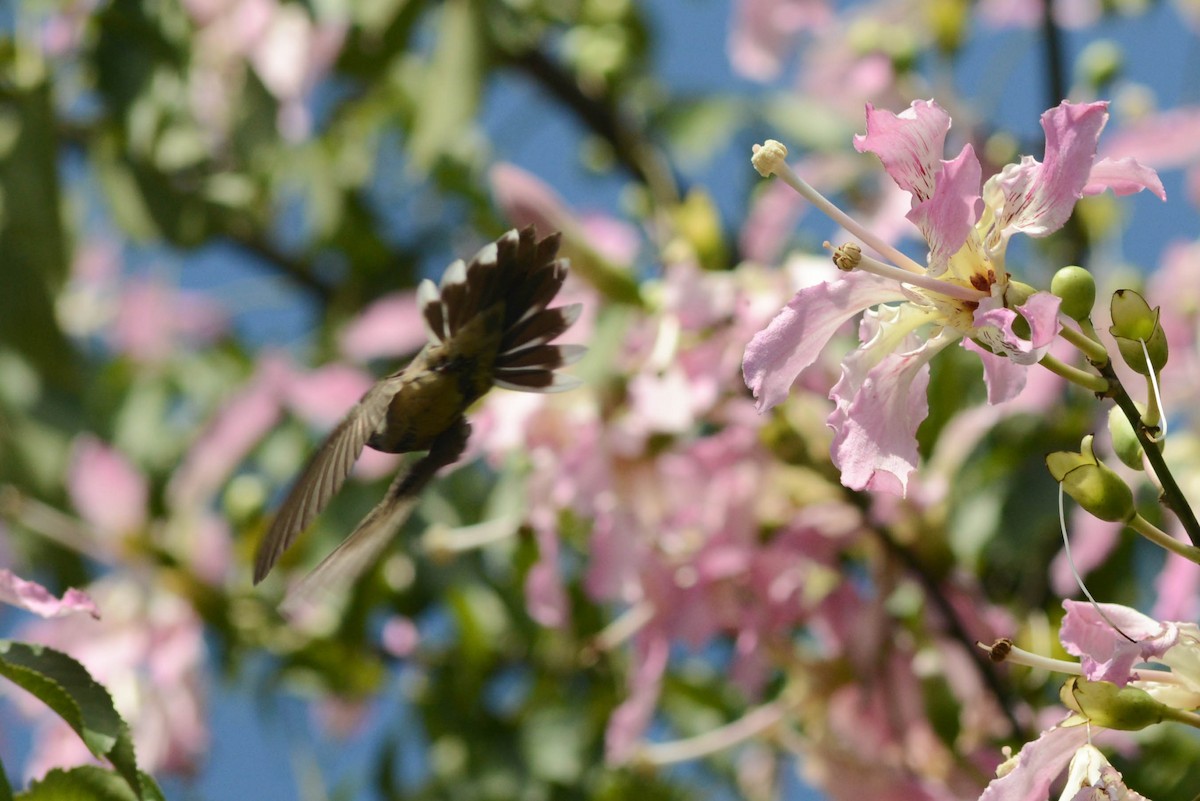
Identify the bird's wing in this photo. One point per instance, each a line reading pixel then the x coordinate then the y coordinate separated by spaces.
pixel 325 473
pixel 341 568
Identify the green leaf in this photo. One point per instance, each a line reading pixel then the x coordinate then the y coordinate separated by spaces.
pixel 5 788
pixel 450 90
pixel 89 783
pixel 32 241
pixel 65 686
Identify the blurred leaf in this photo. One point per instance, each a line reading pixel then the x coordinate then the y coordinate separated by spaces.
pixel 554 744
pixel 66 687
pixel 451 86
pixel 88 783
pixel 31 234
pixel 5 788
pixel 698 128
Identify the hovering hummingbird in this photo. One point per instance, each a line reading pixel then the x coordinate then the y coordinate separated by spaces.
pixel 488 324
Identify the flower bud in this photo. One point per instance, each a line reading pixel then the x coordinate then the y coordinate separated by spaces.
pixel 1096 488
pixel 1134 320
pixel 1077 289
pixel 1125 442
pixel 1105 704
pixel 1100 63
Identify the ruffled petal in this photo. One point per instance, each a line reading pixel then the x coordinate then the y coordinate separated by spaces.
pixel 1004 378
pixel 910 144
pixel 1109 655
pixel 876 446
pixel 947 218
pixel 33 597
pixel 1037 765
pixel 1124 177
pixel 994 325
pixel 794 339
pixel 1037 199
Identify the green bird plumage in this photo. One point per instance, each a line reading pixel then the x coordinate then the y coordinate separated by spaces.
pixel 488 325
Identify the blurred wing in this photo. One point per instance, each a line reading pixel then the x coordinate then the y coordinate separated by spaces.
pixel 348 561
pixel 364 545
pixel 324 474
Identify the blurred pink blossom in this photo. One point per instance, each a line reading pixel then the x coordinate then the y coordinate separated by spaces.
pixel 763 31
pixel 106 489
pixel 148 651
pixel 390 326
pixel 153 320
pixel 35 598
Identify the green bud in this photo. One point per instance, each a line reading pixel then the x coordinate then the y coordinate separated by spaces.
pixel 1077 289
pixel 1133 322
pixel 1096 488
pixel 1100 63
pixel 1105 704
pixel 1125 441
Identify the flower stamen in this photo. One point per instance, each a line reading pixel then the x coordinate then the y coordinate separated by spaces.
pixel 849 257
pixel 770 159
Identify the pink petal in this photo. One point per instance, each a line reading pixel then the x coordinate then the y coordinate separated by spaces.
pixel 909 144
pixel 234 430
pixel 1038 198
pixel 792 341
pixel 545 593
pixel 35 598
pixel 762 31
pixel 1124 177
pixel 1039 763
pixel 948 217
pixel 994 324
pixel 525 199
pixel 107 491
pixel 400 636
pixel 391 326
pixel 1005 379
pixel 1178 588
pixel 876 446
pixel 630 719
pixel 1108 655
pixel 321 397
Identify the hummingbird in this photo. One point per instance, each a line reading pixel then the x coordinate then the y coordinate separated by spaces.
pixel 488 324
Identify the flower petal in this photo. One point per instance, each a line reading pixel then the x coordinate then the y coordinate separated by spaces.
pixel 1037 199
pixel 993 325
pixel 1107 654
pixel 1124 177
pixel 1037 765
pixel 876 446
pixel 794 339
pixel 910 144
pixel 33 597
pixel 947 218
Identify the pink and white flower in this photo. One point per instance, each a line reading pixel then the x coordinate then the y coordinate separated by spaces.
pixel 962 294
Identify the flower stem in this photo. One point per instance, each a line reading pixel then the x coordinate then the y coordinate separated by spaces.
pixel 1182 716
pixel 1172 496
pixel 1159 537
pixel 769 160
pixel 1074 374
pixel 1092 348
pixel 752 723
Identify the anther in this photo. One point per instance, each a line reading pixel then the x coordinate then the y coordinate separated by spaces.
pixel 847 257
pixel 769 157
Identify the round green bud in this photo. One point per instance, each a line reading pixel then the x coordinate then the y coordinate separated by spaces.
pixel 1077 289
pixel 1100 63
pixel 1096 488
pixel 1112 707
pixel 1125 441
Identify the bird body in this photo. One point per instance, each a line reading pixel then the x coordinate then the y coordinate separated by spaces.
pixel 488 324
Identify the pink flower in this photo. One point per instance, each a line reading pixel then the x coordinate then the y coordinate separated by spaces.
pixel 33 597
pixel 763 30
pixel 1108 653
pixel 148 650
pixel 108 492
pixel 963 293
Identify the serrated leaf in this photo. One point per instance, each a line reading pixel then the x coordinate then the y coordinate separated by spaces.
pixel 65 686
pixel 88 783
